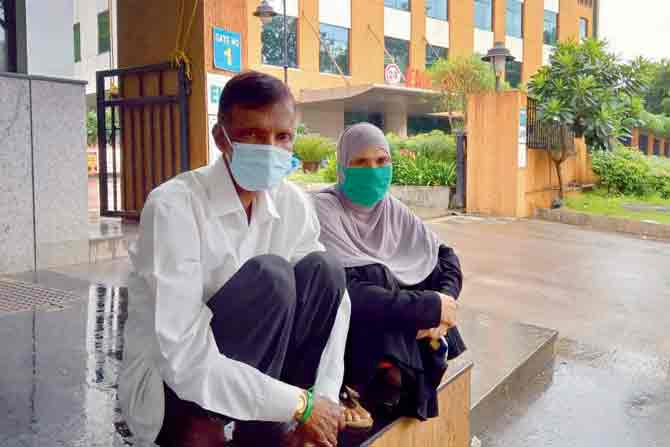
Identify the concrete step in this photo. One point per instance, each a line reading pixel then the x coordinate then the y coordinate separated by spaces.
pixel 507 356
pixel 109 239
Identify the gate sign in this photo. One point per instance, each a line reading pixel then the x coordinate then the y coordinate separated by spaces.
pixel 523 138
pixel 392 74
pixel 215 85
pixel 227 50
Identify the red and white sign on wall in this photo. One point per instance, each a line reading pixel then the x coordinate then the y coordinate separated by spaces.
pixel 392 74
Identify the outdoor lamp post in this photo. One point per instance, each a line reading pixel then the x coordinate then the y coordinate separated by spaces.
pixel 266 13
pixel 498 56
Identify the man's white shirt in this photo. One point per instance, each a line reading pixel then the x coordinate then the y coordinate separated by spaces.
pixel 194 236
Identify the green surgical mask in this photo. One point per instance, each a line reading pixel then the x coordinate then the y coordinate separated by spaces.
pixel 366 186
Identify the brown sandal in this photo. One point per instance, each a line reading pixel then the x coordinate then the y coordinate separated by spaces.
pixel 351 401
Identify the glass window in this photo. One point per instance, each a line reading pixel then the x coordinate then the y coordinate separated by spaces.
pixel 583 28
pixel 550 28
pixel 103 32
pixel 352 117
pixel 423 124
pixel 334 45
pixel 7 36
pixel 272 38
pixel 398 4
pixel 514 19
pixel 433 53
pixel 513 73
pixel 437 9
pixel 77 42
pixel 399 49
pixel 484 14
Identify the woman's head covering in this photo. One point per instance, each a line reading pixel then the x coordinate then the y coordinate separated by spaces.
pixel 388 233
pixel 355 139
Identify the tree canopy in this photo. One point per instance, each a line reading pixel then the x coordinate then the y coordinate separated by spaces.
pixel 459 77
pixel 590 90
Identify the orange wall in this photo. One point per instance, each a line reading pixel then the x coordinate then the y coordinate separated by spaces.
pixel 417 56
pixel 230 15
pixel 499 13
pixel 492 180
pixel 366 37
pixel 635 142
pixel 496 185
pixel 461 28
pixel 367 54
pixel 587 13
pixel 533 27
pixel 568 20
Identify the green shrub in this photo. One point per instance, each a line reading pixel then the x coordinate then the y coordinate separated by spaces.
pixel 423 171
pixel 623 171
pixel 423 160
pixel 313 147
pixel 435 145
pixel 659 125
pixel 660 174
pixel 329 173
pixel 662 186
pixel 628 171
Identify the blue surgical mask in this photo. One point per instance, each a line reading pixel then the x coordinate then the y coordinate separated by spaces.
pixel 259 167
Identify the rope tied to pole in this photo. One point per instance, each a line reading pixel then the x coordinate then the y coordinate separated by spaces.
pixel 179 55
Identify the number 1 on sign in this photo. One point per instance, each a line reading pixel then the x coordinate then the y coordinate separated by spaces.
pixel 229 55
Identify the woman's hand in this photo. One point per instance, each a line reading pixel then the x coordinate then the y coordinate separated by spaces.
pixel 434 334
pixel 449 308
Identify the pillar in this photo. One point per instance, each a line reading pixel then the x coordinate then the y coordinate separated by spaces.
pixel 496 171
pixel 395 119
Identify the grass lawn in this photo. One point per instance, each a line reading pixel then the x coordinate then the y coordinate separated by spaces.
pixel 306 177
pixel 598 202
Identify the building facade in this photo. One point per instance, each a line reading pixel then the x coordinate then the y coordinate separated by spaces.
pixel 339 51
pixel 35 37
pixel 339 45
pixel 648 143
pixel 94 31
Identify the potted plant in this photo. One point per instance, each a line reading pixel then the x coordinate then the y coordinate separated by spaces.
pixel 312 149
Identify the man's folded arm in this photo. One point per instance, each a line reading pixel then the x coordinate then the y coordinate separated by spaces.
pixel 189 360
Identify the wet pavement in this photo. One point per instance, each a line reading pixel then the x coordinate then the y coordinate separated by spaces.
pixel 60 368
pixel 606 294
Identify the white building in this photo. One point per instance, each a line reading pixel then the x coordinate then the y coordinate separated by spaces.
pixel 94 32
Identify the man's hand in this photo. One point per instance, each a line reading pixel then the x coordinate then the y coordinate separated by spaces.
pixel 449 308
pixel 323 426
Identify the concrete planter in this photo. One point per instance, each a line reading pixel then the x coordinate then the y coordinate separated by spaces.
pixel 603 223
pixel 434 197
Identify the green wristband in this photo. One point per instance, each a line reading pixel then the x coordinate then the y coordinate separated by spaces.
pixel 308 408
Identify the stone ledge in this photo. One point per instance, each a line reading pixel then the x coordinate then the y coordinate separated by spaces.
pixel 643 229
pixel 412 196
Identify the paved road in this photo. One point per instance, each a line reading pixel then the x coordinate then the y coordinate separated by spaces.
pixel 608 295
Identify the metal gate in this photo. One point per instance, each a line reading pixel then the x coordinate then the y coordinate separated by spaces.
pixel 143 136
pixel 543 136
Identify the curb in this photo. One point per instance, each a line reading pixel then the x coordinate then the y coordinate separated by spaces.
pixel 645 230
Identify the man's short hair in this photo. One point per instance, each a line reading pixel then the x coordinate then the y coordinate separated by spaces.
pixel 253 90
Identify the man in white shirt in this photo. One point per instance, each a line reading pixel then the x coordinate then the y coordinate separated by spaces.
pixel 236 310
